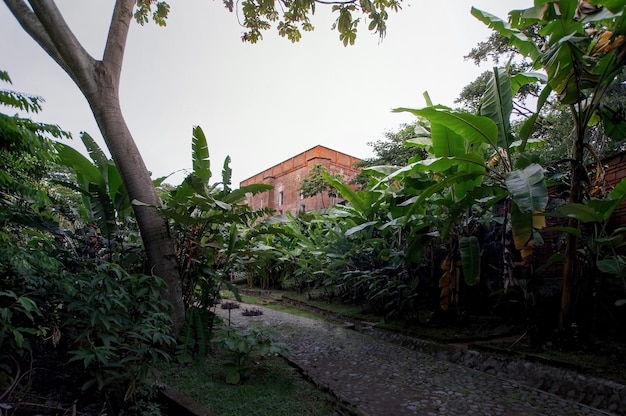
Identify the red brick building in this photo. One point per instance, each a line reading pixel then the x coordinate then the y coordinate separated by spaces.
pixel 287 176
pixel 615 172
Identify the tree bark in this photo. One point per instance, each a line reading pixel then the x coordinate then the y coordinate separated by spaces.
pixel 99 83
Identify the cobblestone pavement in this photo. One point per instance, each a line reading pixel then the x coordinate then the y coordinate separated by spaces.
pixel 379 378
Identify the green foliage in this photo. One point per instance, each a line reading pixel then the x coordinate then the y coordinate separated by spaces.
pixel 243 347
pixel 120 325
pixel 58 295
pixel 316 184
pixel 207 222
pixel 292 17
pixel 195 335
pixel 106 209
pixel 276 388
pixel 144 12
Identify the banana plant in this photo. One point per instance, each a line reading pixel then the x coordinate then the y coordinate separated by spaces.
pixel 105 199
pixel 473 157
pixel 585 50
pixel 208 222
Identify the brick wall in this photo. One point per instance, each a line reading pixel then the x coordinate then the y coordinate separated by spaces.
pixel 287 176
pixel 615 172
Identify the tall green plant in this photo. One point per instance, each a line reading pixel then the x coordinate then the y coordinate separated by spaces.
pixel 475 157
pixel 584 52
pixel 207 222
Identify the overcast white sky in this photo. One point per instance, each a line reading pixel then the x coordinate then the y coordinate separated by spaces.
pixel 263 103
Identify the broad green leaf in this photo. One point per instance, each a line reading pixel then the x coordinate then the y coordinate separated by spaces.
pixel 445 142
pixel 95 152
pixel 353 197
pixel 516 38
pixel 441 164
pixel 239 194
pixel 200 155
pixel 420 142
pixel 474 129
pixel 521 226
pixel 80 164
pixel 117 190
pixel 381 170
pixel 470 257
pixel 360 227
pixel 448 181
pixel 497 104
pixel 524 78
pixel 604 207
pixel 581 212
pixel 615 266
pixel 615 6
pixel 569 71
pixel 619 192
pixel 462 189
pixel 528 188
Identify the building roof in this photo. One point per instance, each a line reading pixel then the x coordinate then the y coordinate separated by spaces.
pixel 312 153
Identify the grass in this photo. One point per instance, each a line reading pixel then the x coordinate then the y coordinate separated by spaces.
pixel 275 388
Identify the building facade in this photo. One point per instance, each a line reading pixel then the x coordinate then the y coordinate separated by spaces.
pixel 287 176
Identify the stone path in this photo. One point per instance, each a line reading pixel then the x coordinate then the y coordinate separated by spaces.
pixel 379 378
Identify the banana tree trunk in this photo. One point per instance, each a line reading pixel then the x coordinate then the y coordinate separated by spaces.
pixel 571 247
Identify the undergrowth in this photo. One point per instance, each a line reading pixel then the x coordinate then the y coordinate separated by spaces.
pixel 273 388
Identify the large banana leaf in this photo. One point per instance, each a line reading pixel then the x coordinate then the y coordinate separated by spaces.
pixel 441 164
pixel 95 153
pixel 516 38
pixel 569 72
pixel 528 188
pixel 418 201
pixel 73 159
pixel 470 258
pixel 200 156
pixel 238 195
pixel 227 174
pixel 619 192
pixel 117 191
pixel 446 142
pixel 474 129
pixel 521 226
pixel 497 104
pixel 361 201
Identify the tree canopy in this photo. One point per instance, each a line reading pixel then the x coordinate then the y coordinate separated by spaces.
pixel 291 18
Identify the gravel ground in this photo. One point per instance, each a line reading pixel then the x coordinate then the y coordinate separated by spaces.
pixel 379 378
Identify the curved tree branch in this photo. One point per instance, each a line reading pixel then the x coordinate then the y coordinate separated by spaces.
pixel 76 58
pixel 116 38
pixel 31 24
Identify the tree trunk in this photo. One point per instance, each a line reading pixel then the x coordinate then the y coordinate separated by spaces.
pixel 154 229
pixel 571 247
pixel 99 83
